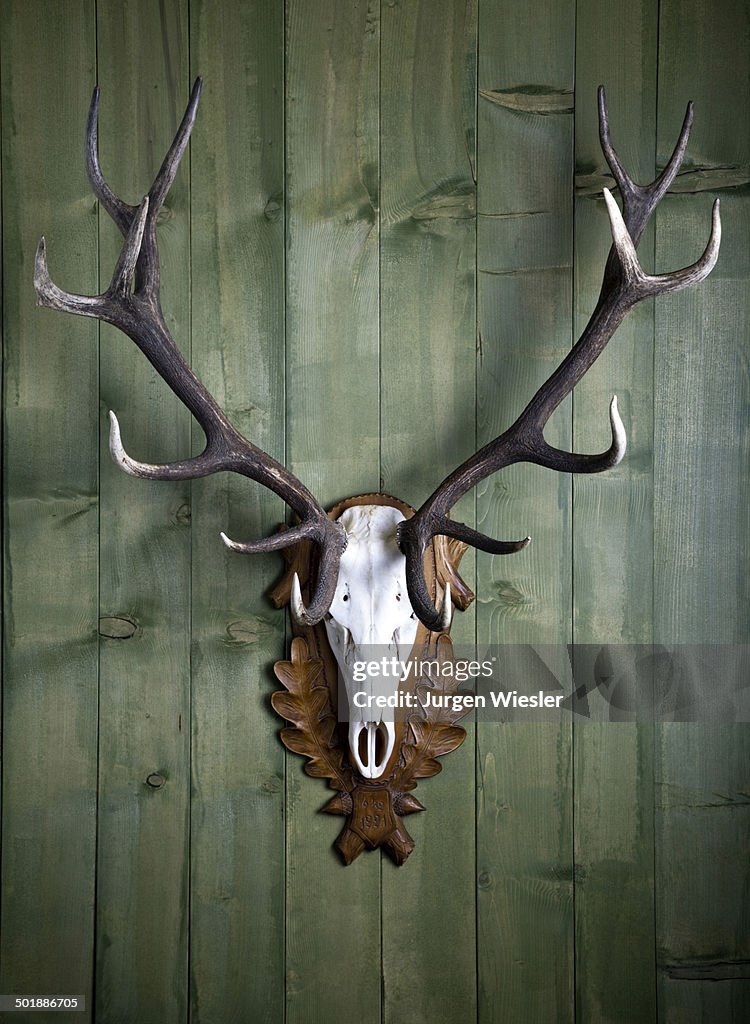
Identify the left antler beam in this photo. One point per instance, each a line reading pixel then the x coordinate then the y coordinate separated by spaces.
pixel 132 303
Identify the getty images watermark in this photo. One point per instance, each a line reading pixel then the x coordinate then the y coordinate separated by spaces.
pixel 430 676
pixel 524 682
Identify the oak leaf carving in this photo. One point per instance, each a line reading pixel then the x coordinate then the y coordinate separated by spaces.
pixel 306 703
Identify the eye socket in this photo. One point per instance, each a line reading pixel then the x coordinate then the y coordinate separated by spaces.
pixel 398 597
pixel 345 597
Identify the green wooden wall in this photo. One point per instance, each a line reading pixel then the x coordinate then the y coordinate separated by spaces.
pixel 387 233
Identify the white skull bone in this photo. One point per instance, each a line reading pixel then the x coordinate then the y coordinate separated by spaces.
pixel 371 616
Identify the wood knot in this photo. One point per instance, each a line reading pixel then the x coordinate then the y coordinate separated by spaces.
pixel 510 595
pixel 272 211
pixel 245 631
pixel 117 627
pixel 182 515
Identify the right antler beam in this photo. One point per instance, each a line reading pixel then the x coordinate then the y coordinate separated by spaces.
pixel 624 284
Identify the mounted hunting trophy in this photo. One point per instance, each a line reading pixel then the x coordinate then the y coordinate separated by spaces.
pixel 372 570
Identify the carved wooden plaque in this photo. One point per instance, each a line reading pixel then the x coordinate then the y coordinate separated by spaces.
pixel 374 809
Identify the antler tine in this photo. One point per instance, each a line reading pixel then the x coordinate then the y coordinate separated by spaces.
pixel 171 163
pixel 330 548
pixel 131 303
pixel 640 284
pixel 130 252
pixel 210 461
pixel 147 271
pixel 121 212
pixel 624 284
pixel 147 278
pixel 104 306
pixel 640 201
pixel 279 541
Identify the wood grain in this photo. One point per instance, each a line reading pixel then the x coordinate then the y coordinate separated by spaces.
pixel 701 505
pixel 428 329
pixel 524 811
pixel 613 539
pixel 357 201
pixel 50 513
pixel 237 273
pixel 142 912
pixel 333 915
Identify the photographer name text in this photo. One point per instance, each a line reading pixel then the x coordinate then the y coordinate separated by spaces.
pixel 458 701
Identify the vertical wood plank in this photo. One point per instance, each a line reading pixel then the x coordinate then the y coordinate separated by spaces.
pixel 701 513
pixel 142 881
pixel 613 579
pixel 703 828
pixel 237 253
pixel 333 913
pixel 613 536
pixel 428 329
pixel 50 511
pixel 524 819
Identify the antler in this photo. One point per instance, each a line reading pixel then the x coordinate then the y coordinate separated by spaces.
pixel 625 283
pixel 132 303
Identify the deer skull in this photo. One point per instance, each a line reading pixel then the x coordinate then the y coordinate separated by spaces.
pixel 370 616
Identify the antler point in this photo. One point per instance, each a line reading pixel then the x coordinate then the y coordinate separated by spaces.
pixel 297 605
pixel 446 610
pixel 615 217
pixel 115 439
pixel 619 436
pixel 116 449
